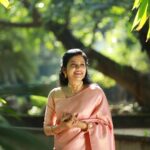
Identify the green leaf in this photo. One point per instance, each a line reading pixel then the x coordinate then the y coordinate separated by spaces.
pixel 136 20
pixel 2 101
pixel 38 100
pixel 140 13
pixel 5 3
pixel 17 138
pixel 148 34
pixel 144 18
pixel 136 4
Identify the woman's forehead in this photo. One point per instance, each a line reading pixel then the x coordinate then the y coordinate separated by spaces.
pixel 77 58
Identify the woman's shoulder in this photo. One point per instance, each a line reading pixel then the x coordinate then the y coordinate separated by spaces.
pixel 94 86
pixel 56 89
pixel 96 89
pixel 56 92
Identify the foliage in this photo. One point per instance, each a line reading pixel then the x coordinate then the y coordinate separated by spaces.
pixel 5 3
pixel 13 139
pixel 38 104
pixel 142 15
pixel 101 79
pixel 5 109
pixel 15 106
pixel 38 100
pixel 101 16
pixel 2 101
pixel 101 25
pixel 129 53
pixel 20 63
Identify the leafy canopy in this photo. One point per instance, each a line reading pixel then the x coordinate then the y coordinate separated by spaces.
pixel 142 15
pixel 5 3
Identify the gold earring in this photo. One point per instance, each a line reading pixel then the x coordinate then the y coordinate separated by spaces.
pixel 65 75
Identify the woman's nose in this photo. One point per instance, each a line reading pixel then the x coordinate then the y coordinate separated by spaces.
pixel 78 66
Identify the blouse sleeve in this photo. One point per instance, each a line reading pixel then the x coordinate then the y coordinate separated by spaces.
pixel 50 115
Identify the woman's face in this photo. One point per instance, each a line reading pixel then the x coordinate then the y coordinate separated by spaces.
pixel 76 69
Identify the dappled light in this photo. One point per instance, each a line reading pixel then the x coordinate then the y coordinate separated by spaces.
pixel 33 37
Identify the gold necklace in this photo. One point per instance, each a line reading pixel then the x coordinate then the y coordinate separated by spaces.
pixel 79 88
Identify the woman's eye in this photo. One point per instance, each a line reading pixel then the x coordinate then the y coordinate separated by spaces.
pixel 73 65
pixel 82 65
pixel 77 65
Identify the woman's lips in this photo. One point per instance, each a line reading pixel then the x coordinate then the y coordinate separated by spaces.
pixel 78 73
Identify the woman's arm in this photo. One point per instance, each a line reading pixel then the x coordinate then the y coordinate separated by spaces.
pixel 52 130
pixel 68 121
pixel 50 127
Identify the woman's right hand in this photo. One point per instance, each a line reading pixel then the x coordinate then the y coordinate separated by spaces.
pixel 69 120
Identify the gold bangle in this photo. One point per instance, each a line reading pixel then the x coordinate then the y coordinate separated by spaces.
pixel 86 126
pixel 51 129
pixel 90 125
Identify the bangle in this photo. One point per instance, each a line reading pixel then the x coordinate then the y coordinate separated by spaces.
pixel 87 126
pixel 90 125
pixel 51 129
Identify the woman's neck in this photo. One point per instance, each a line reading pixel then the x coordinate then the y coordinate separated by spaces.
pixel 75 87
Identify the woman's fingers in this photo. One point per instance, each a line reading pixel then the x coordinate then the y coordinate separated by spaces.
pixel 70 119
pixel 66 117
pixel 75 115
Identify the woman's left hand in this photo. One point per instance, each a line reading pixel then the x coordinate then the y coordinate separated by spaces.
pixel 72 121
pixel 69 120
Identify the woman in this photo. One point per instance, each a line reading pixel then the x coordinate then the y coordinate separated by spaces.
pixel 77 112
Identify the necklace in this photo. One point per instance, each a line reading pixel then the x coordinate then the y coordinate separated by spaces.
pixel 75 89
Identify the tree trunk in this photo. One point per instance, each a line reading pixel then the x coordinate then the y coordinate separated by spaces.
pixel 135 82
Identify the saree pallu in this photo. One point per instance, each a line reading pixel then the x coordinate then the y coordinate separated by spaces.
pixel 91 106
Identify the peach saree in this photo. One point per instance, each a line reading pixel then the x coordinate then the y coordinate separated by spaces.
pixel 91 106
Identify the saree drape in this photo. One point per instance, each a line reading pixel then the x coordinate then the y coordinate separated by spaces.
pixel 91 106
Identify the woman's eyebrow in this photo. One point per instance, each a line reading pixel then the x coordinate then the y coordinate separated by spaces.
pixel 72 61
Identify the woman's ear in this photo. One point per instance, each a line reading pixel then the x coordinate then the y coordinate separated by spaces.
pixel 64 72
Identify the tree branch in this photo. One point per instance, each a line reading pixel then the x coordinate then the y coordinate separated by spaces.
pixel 124 75
pixel 4 23
pixel 34 12
pixel 35 15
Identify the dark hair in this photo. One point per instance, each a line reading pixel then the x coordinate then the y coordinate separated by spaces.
pixel 65 59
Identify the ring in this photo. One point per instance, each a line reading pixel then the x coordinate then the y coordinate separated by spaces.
pixel 90 125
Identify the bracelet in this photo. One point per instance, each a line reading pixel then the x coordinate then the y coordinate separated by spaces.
pixel 51 129
pixel 88 126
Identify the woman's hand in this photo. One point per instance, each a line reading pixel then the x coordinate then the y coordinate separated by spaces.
pixel 71 121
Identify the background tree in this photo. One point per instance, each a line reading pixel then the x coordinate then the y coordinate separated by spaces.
pixel 89 25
